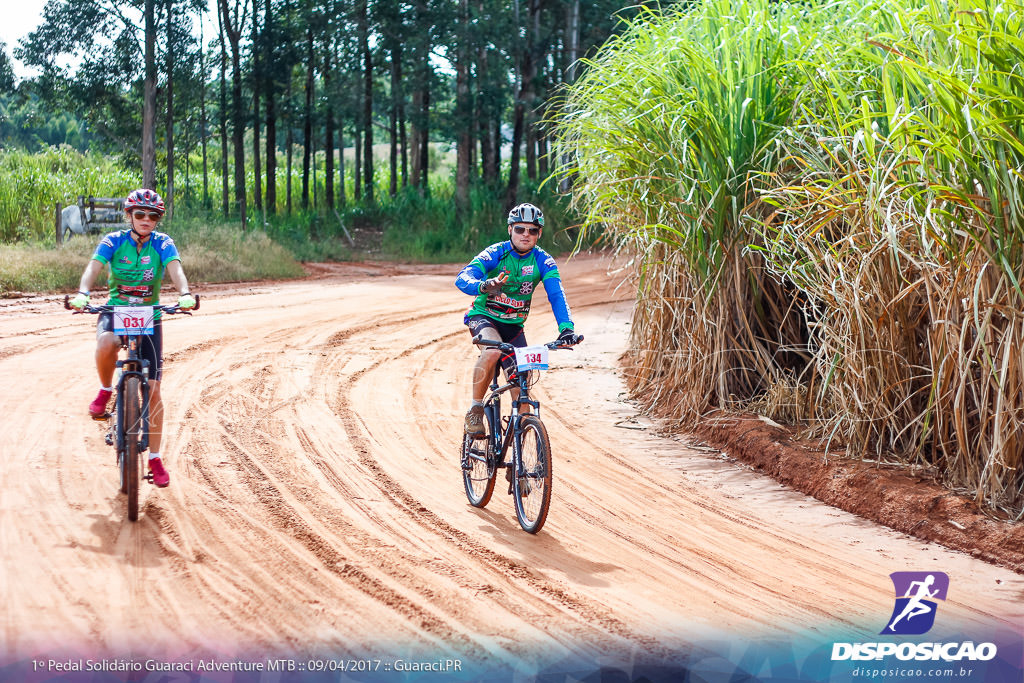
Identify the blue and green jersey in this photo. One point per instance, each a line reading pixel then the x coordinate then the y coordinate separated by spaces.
pixel 525 271
pixel 135 274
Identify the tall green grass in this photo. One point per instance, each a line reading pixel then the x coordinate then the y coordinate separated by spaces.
pixel 31 184
pixel 665 126
pixel 904 224
pixel 827 204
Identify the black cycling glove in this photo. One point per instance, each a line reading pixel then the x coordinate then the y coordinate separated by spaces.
pixel 568 337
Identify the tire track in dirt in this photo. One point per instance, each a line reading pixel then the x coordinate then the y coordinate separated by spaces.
pixel 361 434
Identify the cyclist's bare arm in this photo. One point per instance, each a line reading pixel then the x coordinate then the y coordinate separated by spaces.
pixel 92 270
pixel 177 274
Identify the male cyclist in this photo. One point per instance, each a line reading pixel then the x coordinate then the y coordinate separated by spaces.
pixel 502 278
pixel 137 258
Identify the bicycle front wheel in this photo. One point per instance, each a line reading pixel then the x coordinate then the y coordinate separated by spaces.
pixel 478 465
pixel 531 484
pixel 131 434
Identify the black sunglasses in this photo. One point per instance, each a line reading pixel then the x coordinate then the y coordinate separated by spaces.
pixel 152 215
pixel 519 230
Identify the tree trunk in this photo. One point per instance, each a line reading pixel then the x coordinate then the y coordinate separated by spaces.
pixel 149 100
pixel 417 132
pixel 400 100
pixel 531 147
pixel 484 112
pixel 524 99
pixel 329 152
pixel 223 121
pixel 542 154
pixel 271 114
pixel 271 153
pixel 512 192
pixel 289 142
pixel 234 34
pixel 202 114
pixel 496 140
pixel 342 198
pixel 307 120
pixel 425 141
pixel 357 185
pixel 393 136
pixel 364 45
pixel 169 134
pixel 572 57
pixel 257 86
pixel 463 114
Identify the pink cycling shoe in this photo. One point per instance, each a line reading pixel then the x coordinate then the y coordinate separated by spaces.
pixel 98 407
pixel 160 476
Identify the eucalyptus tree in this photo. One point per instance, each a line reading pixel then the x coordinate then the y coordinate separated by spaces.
pixel 463 107
pixel 394 25
pixel 7 79
pixel 104 36
pixel 234 16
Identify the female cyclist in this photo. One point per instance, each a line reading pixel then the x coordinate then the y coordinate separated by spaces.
pixel 137 257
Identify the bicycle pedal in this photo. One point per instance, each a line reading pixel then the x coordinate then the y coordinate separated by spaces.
pixel 108 439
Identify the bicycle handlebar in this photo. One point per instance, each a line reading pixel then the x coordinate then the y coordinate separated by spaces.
pixel 89 308
pixel 504 346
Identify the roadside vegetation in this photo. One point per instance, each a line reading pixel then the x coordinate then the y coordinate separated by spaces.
pixel 408 227
pixel 826 202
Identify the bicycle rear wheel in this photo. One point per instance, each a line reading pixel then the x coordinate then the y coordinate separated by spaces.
pixel 531 484
pixel 478 467
pixel 131 433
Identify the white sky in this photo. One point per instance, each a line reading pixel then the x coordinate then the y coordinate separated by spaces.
pixel 20 17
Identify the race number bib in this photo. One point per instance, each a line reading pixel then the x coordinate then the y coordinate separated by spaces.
pixel 532 358
pixel 133 320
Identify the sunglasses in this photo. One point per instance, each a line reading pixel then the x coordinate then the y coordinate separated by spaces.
pixel 519 230
pixel 151 215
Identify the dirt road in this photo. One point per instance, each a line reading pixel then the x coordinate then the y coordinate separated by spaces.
pixel 316 504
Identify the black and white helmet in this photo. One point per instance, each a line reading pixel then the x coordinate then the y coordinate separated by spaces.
pixel 526 213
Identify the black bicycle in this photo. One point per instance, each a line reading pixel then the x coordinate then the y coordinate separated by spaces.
pixel 129 433
pixel 528 471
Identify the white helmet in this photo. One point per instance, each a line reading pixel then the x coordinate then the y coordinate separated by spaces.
pixel 526 213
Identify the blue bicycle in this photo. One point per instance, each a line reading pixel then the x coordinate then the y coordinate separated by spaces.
pixel 129 433
pixel 528 471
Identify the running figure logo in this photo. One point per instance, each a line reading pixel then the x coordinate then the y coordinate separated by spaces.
pixel 917 596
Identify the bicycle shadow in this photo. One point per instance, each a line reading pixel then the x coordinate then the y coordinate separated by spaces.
pixel 543 552
pixel 137 542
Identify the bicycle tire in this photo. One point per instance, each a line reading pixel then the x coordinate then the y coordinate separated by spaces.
pixel 531 482
pixel 478 466
pixel 118 440
pixel 131 435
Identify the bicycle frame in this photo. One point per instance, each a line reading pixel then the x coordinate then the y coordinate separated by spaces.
pixel 132 344
pixel 528 470
pixel 492 409
pixel 119 433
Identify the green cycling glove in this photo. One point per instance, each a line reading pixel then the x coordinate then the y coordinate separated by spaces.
pixel 80 301
pixel 186 301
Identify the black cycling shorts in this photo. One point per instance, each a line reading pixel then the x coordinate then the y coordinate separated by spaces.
pixel 151 346
pixel 508 333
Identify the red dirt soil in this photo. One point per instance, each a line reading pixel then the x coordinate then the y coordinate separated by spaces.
pixel 891 495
